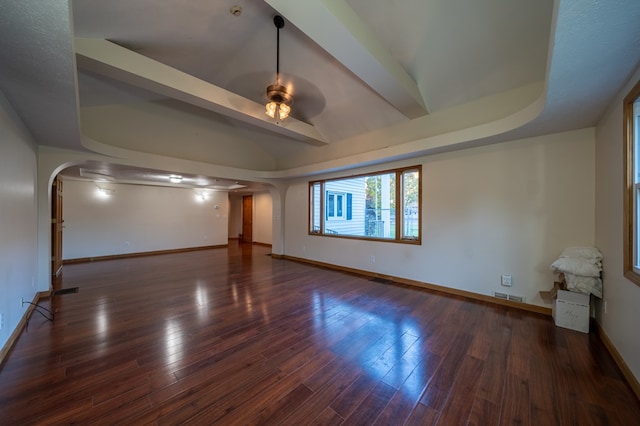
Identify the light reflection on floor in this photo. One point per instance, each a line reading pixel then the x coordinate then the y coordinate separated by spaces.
pixel 234 293
pixel 172 340
pixel 202 300
pixel 101 326
pixel 101 318
pixel 248 303
pixel 399 364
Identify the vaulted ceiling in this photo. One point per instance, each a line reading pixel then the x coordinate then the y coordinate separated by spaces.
pixel 373 80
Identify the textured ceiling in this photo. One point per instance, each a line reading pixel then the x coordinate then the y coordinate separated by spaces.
pixel 455 51
pixel 373 80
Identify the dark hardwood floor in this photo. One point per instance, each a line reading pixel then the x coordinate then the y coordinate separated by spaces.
pixel 233 336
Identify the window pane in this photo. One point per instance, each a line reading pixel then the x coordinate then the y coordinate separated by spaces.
pixel 349 197
pixel 636 139
pixel 380 206
pixel 315 208
pixel 636 236
pixel 635 123
pixel 410 202
pixel 330 205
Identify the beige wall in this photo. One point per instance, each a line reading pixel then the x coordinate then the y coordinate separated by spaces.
pixel 622 318
pixel 262 217
pixel 508 208
pixel 138 218
pixel 18 213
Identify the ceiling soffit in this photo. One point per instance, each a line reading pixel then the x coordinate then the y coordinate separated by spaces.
pixel 111 60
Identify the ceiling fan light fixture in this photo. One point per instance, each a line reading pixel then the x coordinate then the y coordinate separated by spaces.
pixel 279 105
pixel 280 100
pixel 271 109
pixel 283 111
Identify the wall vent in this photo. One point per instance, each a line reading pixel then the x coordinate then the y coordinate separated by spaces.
pixel 516 298
pixel 505 296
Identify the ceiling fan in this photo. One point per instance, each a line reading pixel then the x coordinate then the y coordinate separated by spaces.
pixel 280 99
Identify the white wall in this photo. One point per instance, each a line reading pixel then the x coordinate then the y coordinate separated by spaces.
pixel 621 321
pixel 262 217
pixel 508 208
pixel 18 218
pixel 137 219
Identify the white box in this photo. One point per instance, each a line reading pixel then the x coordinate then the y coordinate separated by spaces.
pixel 571 310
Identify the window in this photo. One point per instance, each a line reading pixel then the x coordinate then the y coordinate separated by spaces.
pixel 381 206
pixel 631 136
pixel 338 204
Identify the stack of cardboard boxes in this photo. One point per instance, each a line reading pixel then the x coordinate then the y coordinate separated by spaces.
pixel 579 270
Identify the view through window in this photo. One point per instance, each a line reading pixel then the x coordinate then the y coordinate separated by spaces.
pixel 383 205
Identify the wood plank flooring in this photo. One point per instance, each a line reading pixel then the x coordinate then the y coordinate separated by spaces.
pixel 233 336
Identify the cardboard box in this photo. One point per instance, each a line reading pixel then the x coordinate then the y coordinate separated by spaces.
pixel 549 296
pixel 571 310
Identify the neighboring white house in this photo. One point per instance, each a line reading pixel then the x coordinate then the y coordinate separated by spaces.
pixel 344 210
pixel 347 211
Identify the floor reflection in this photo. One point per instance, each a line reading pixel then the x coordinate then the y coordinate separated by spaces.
pixel 202 300
pixel 102 317
pixel 173 340
pixel 395 355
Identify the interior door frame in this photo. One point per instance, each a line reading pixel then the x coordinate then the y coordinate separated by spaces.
pixel 247 219
pixel 57 225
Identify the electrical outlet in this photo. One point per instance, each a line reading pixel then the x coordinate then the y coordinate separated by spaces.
pixel 373 259
pixel 506 280
pixel 1 321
